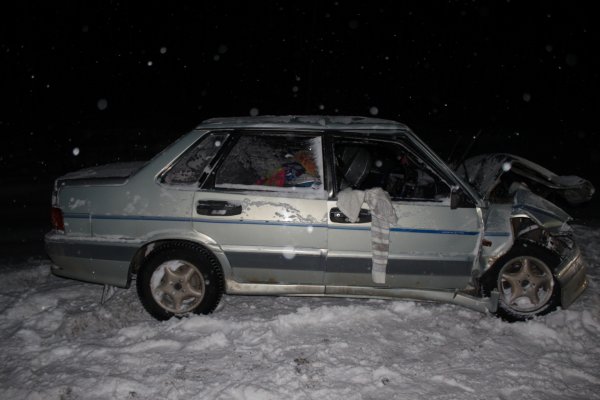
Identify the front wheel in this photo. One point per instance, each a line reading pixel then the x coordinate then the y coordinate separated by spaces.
pixel 178 279
pixel 525 282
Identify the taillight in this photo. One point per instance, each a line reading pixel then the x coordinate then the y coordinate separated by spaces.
pixel 56 217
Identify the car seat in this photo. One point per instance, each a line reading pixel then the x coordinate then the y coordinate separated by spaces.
pixel 355 164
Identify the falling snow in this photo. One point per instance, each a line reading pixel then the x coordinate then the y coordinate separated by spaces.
pixel 289 252
pixel 102 104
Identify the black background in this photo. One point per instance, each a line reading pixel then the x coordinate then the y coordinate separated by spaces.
pixel 120 80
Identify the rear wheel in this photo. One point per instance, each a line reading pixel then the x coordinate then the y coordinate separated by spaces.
pixel 178 279
pixel 525 282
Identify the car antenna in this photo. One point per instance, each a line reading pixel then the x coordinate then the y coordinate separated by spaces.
pixel 469 147
pixel 462 159
pixel 456 142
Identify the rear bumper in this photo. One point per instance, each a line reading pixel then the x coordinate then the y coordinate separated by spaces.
pixel 102 262
pixel 571 275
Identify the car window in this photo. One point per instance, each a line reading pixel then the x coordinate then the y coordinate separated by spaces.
pixel 273 163
pixel 391 166
pixel 190 167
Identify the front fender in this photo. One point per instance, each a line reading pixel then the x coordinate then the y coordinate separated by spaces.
pixel 546 214
pixel 529 216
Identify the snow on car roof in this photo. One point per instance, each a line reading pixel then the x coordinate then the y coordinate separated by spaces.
pixel 321 122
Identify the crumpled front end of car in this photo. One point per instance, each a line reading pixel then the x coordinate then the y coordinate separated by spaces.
pixel 533 219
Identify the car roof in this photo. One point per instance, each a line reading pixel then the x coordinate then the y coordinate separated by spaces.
pixel 312 122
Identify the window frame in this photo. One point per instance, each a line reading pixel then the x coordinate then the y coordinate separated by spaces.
pixel 349 137
pixel 160 179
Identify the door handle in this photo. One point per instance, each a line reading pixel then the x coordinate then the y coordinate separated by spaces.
pixel 336 215
pixel 218 208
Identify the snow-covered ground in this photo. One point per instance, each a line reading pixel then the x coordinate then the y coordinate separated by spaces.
pixel 58 342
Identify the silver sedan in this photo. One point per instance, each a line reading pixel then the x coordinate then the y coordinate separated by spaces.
pixel 294 205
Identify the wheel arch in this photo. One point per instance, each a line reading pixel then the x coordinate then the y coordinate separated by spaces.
pixel 148 248
pixel 524 229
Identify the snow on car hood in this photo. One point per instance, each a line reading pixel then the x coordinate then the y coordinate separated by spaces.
pixel 484 172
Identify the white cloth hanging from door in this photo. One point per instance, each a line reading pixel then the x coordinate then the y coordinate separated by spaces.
pixel 382 217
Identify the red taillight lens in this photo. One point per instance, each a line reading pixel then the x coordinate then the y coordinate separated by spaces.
pixel 56 217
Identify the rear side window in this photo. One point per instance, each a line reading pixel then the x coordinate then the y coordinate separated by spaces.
pixel 273 163
pixel 189 168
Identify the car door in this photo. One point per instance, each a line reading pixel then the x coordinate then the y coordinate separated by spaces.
pixel 265 205
pixel 432 246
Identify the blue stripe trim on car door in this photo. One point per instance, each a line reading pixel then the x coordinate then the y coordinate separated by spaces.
pixel 287 224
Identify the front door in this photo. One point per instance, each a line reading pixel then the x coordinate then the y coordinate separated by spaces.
pixel 431 245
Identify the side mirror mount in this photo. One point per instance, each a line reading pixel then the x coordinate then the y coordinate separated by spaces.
pixel 455 198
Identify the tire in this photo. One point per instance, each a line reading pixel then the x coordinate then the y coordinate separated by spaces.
pixel 524 278
pixel 179 279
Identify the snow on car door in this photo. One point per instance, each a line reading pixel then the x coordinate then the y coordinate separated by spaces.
pixel 431 246
pixel 265 207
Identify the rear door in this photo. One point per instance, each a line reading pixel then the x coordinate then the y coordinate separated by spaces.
pixel 265 205
pixel 431 245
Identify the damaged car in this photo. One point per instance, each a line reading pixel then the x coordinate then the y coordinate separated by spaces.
pixel 493 174
pixel 316 206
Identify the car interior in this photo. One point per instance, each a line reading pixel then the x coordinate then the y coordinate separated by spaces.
pixel 403 175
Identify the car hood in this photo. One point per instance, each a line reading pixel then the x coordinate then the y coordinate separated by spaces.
pixel 484 172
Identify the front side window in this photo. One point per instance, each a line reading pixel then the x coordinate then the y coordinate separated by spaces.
pixel 190 167
pixel 273 163
pixel 390 166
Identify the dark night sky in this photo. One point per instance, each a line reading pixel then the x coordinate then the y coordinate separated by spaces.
pixel 118 80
